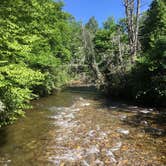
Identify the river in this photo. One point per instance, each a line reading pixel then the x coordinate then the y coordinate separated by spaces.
pixel 80 127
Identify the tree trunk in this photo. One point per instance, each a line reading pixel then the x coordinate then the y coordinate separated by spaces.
pixel 132 18
pixel 90 53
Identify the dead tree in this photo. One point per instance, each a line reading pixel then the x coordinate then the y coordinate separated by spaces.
pixel 132 11
pixel 119 45
pixel 90 53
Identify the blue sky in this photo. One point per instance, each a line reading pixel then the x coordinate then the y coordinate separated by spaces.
pixel 82 10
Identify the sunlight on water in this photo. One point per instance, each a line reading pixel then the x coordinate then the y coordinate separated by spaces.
pixel 85 132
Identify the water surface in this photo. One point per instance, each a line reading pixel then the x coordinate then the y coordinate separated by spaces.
pixel 79 126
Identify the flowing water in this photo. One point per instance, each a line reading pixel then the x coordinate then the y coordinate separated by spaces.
pixel 78 127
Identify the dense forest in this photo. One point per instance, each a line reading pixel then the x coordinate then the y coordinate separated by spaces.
pixel 42 48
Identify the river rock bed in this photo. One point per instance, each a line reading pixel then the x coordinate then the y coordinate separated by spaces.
pixel 89 134
pixel 79 128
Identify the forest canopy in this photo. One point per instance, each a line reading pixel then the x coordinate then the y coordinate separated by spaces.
pixel 34 45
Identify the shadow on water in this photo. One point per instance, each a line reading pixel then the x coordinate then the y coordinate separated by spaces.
pixel 83 89
pixel 86 91
pixel 151 120
pixel 151 123
pixel 3 137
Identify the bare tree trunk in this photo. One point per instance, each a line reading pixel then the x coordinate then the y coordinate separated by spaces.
pixel 137 25
pixel 90 53
pixel 119 46
pixel 132 18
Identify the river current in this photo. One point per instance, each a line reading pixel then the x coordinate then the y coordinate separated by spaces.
pixel 80 127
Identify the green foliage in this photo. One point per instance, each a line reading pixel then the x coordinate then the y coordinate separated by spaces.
pixel 149 74
pixel 18 75
pixel 110 45
pixel 109 24
pixel 149 77
pixel 144 81
pixel 103 41
pixel 17 82
pixel 154 25
pixel 35 41
pixel 92 25
pixel 61 77
pixel 76 41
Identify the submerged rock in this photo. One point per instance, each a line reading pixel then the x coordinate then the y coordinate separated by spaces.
pixel 155 131
pixel 102 135
pixel 116 147
pixel 110 154
pixel 98 162
pixel 70 155
pixel 133 107
pixel 85 163
pixel 123 131
pixel 146 111
pixel 93 150
pixel 91 133
pixel 123 117
pixel 84 104
pixel 113 107
pixel 144 123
